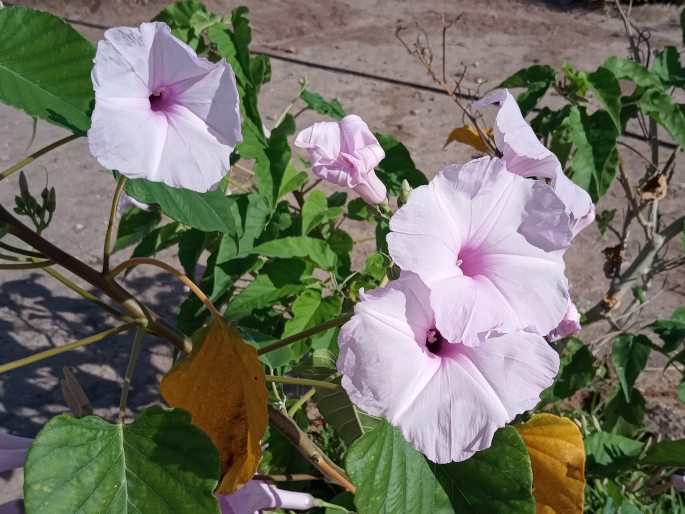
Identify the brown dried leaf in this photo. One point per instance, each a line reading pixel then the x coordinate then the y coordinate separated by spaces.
pixel 655 188
pixel 468 134
pixel 557 456
pixel 222 384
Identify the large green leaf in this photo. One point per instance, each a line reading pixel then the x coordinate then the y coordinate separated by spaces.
pixel 604 84
pixel 629 356
pixel 536 79
pixel 179 17
pixel 660 106
pixel 392 477
pixel 318 251
pixel 609 454
pixel 135 224
pixel 45 68
pixel 666 453
pixel 316 211
pixel 205 211
pixel 397 166
pixel 668 69
pixel 310 309
pixel 576 370
pixel 271 166
pixel 160 463
pixel 595 160
pixel 629 70
pixel 277 280
pixel 621 416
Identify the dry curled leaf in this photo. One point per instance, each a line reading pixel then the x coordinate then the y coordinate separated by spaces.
pixel 614 259
pixel 468 134
pixel 222 384
pixel 557 456
pixel 655 188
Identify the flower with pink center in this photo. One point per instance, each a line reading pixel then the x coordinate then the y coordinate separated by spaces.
pixel 568 326
pixel 161 112
pixel 345 153
pixel 448 399
pixel 257 495
pixel 13 450
pixel 525 155
pixel 478 237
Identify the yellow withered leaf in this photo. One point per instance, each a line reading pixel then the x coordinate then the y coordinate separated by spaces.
pixel 469 136
pixel 222 384
pixel 557 456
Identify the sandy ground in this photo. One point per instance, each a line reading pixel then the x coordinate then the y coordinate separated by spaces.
pixel 492 40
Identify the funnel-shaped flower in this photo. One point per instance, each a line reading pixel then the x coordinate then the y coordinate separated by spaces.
pixel 448 399
pixel 161 112
pixel 13 450
pixel 525 155
pixel 345 153
pixel 475 237
pixel 257 495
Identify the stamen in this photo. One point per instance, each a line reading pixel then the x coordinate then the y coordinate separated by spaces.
pixel 434 341
pixel 459 262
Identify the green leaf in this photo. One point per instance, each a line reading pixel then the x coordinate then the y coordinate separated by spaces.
pixel 609 454
pixel 629 356
pixel 275 358
pixel 397 166
pixel 604 219
pixel 671 331
pixel 629 70
pixel 668 69
pixel 577 369
pixel 595 160
pixel 604 84
pixel 159 239
pixel 45 67
pixel 270 167
pixel 310 309
pixel 667 113
pixel 316 250
pixel 292 180
pixel 135 224
pixel 277 280
pixel 315 211
pixel 666 453
pixel 90 465
pixel 316 102
pixel 624 417
pixel 536 79
pixel 392 477
pixel 205 211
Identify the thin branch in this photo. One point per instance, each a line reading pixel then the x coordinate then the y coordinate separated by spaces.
pixel 24 162
pixel 286 426
pixel 107 250
pixel 317 384
pixel 335 322
pixel 128 378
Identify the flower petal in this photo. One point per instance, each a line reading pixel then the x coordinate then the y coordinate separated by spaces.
pixel 569 325
pixel 447 405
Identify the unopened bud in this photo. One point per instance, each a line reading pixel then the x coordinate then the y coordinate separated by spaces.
pixel 405 191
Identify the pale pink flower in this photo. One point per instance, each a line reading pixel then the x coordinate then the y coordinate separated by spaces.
pixel 447 398
pixel 13 450
pixel 161 112
pixel 525 155
pixel 13 507
pixel 345 153
pixel 678 481
pixel 568 326
pixel 477 235
pixel 126 202
pixel 257 495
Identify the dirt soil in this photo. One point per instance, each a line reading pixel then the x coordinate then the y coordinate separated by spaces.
pixel 492 40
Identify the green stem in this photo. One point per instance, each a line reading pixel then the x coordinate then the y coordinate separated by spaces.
pixel 67 347
pixel 330 506
pixel 135 351
pixel 301 401
pixel 35 156
pixel 238 186
pixel 20 251
pixel 110 225
pixel 26 265
pixel 320 384
pixel 331 323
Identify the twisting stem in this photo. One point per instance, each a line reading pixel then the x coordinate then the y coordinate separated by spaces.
pixel 26 265
pixel 331 323
pixel 35 155
pixel 301 401
pixel 117 293
pixel 135 351
pixel 110 225
pixel 170 269
pixel 320 384
pixel 286 426
pixel 67 347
